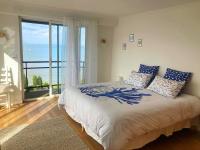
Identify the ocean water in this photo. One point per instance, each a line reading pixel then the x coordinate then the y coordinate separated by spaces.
pixel 40 52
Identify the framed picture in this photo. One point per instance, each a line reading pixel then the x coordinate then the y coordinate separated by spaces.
pixel 139 44
pixel 131 38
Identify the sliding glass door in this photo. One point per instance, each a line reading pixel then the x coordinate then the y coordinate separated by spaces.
pixel 41 42
pixel 41 48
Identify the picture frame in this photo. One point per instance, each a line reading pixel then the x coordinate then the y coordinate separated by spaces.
pixel 131 37
pixel 139 44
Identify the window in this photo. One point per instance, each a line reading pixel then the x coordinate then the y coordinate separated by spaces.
pixel 42 43
pixel 36 58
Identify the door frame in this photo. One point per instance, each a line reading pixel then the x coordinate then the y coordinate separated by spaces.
pixel 47 22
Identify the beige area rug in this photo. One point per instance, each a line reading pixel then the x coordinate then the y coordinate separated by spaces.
pixel 53 134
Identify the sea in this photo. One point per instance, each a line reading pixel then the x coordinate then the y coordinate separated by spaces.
pixel 40 52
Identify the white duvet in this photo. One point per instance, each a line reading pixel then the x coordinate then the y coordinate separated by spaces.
pixel 112 123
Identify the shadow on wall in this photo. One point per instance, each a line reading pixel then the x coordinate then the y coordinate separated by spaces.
pixel 9 59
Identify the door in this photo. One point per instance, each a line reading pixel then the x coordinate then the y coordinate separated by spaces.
pixel 41 49
pixel 41 44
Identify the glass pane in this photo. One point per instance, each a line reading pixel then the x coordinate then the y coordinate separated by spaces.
pixel 60 55
pixel 54 42
pixel 60 41
pixel 82 54
pixel 56 57
pixel 35 37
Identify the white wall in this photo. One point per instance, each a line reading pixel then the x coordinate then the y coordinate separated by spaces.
pixel 170 39
pixel 10 51
pixel 105 53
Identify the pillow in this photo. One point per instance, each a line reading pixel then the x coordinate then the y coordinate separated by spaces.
pixel 149 69
pixel 165 87
pixel 177 75
pixel 139 80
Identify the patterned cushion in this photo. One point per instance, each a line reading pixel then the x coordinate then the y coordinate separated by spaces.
pixel 166 87
pixel 139 80
pixel 149 69
pixel 177 75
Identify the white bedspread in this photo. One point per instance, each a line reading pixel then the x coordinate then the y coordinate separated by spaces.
pixel 112 124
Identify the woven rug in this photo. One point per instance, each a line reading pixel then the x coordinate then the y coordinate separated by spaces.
pixel 53 134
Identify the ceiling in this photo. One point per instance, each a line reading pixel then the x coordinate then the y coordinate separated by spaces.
pixel 112 8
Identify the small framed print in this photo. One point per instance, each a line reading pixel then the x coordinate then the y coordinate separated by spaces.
pixel 124 46
pixel 131 38
pixel 139 44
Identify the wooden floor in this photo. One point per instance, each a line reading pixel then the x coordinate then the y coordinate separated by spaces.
pixel 46 108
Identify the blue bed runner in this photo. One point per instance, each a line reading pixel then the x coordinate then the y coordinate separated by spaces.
pixel 128 95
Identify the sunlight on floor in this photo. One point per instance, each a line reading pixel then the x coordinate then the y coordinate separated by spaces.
pixel 7 133
pixel 7 121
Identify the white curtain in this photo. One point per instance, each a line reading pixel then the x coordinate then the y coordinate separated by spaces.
pixel 91 52
pixel 70 68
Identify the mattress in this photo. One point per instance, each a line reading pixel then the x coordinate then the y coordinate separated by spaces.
pixel 113 121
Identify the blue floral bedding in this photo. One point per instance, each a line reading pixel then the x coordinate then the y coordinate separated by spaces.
pixel 128 95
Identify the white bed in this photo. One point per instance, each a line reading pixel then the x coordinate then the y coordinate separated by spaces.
pixel 119 126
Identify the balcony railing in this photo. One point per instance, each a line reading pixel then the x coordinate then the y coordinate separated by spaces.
pixel 55 65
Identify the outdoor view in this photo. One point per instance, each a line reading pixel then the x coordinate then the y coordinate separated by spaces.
pixel 35 37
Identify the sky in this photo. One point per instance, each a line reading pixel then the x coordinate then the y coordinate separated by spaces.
pixel 35 33
pixel 35 39
pixel 39 33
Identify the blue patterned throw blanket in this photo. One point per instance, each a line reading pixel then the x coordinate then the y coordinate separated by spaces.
pixel 128 95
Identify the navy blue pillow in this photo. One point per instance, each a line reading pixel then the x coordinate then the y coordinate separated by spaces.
pixel 177 75
pixel 149 69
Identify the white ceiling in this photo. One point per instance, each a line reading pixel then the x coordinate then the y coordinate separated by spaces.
pixel 112 8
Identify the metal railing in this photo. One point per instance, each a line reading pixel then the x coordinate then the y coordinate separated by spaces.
pixel 27 67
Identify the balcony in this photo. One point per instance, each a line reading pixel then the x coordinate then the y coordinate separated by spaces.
pixel 36 78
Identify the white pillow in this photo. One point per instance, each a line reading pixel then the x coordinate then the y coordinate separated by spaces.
pixel 166 87
pixel 138 80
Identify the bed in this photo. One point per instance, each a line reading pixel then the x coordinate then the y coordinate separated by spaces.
pixel 119 120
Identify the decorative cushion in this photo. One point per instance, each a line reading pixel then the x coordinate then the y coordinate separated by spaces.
pixel 149 69
pixel 165 87
pixel 177 75
pixel 139 80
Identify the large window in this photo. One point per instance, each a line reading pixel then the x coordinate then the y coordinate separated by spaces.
pixel 37 62
pixel 42 43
